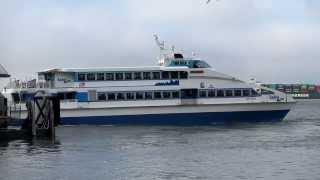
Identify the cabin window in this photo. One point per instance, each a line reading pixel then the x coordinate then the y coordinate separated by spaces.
pixel 100 76
pixel 156 75
pixel 65 95
pixel 174 75
pixel 166 95
pixel 157 95
pixel 200 64
pixel 176 56
pixel 119 76
pixel 130 96
pixel 25 96
pixel 254 93
pixel 211 93
pixel 137 75
pixel 183 75
pixel 81 77
pixel 189 93
pixel 220 93
pixel 91 76
pixel 203 93
pixel 175 94
pixel 102 97
pixel 128 76
pixel 148 95
pixel 165 75
pixel 237 92
pixel 71 95
pixel 109 76
pixel 61 96
pixel 139 95
pixel 146 75
pixel 266 92
pixel 120 96
pixel 111 96
pixel 229 93
pixel 246 92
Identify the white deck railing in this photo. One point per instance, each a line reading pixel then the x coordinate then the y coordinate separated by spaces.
pixel 33 84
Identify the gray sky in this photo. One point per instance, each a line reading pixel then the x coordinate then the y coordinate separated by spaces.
pixel 270 40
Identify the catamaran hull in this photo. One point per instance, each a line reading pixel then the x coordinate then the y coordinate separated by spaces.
pixel 204 118
pixel 176 115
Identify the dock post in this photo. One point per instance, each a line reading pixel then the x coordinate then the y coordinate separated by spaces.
pixel 43 115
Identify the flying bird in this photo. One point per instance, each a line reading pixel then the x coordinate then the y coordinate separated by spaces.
pixel 208 1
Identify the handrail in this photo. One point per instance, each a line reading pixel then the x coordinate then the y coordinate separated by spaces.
pixel 28 85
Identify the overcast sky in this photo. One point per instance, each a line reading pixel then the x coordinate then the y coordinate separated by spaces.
pixel 270 40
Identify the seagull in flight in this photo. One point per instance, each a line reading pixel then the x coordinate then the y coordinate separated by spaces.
pixel 208 1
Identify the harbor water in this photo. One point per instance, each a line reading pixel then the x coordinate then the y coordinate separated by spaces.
pixel 282 150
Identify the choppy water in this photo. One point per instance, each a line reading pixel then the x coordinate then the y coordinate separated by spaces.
pixel 285 150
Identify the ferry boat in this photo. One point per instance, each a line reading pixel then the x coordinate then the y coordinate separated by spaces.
pixel 179 91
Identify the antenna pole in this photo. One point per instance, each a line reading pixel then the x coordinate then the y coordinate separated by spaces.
pixel 160 44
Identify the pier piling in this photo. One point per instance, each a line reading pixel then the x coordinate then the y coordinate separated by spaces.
pixel 43 115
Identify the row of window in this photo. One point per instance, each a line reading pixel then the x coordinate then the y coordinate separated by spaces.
pixel 227 93
pixel 112 96
pixel 148 95
pixel 118 76
pixel 204 93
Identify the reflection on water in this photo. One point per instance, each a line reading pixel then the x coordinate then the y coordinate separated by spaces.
pixel 285 150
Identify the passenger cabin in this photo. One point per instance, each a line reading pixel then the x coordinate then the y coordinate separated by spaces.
pixel 172 68
pixel 166 81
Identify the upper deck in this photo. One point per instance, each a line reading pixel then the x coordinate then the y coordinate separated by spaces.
pixel 173 67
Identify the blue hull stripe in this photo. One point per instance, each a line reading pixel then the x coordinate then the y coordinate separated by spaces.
pixel 180 119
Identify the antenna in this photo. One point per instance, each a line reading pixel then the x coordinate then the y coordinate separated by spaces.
pixel 160 44
pixel 173 49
